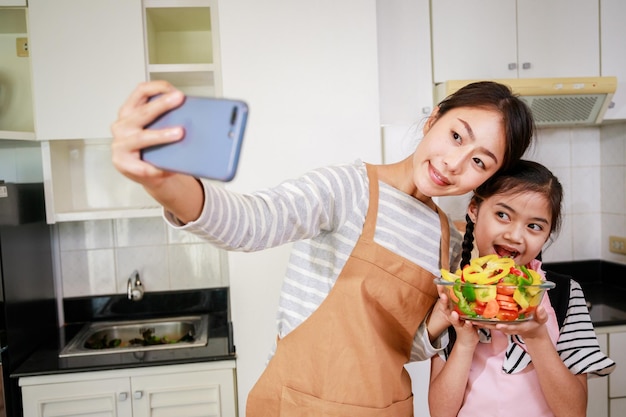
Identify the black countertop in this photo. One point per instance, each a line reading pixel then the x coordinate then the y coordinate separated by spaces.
pixel 79 311
pixel 604 286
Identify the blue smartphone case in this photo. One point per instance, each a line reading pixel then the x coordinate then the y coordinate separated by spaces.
pixel 210 148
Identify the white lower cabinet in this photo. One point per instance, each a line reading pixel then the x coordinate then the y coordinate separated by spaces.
pixel 198 389
pixel 607 395
pixel 598 388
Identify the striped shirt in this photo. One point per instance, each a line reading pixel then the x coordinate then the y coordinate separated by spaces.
pixel 578 344
pixel 322 213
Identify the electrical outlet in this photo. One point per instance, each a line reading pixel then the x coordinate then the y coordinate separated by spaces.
pixel 21 47
pixel 617 244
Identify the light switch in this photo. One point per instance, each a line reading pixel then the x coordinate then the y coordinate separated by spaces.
pixel 21 47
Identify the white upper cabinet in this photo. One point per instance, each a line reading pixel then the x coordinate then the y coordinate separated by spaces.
pixel 86 57
pixel 182 40
pixel 485 39
pixel 16 106
pixel 613 58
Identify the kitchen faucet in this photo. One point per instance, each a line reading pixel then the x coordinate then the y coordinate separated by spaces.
pixel 134 287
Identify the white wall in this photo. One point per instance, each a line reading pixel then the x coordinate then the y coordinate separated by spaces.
pixel 309 73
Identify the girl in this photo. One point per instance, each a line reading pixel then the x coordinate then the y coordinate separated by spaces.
pixel 369 241
pixel 532 368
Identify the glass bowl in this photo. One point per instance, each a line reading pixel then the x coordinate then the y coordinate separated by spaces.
pixel 494 303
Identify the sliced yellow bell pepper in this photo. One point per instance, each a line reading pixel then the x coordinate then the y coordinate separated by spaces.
pixel 449 276
pixel 474 274
pixel 520 299
pixel 485 294
pixel 536 281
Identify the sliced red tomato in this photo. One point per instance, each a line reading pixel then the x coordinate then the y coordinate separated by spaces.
pixel 507 306
pixel 479 307
pixel 491 309
pixel 506 315
pixel 504 297
pixel 505 290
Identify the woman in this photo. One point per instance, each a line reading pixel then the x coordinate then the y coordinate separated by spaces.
pixel 368 242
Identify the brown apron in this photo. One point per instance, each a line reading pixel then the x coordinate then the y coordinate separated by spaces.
pixel 347 359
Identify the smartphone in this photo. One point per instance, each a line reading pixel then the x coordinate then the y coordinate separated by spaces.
pixel 210 147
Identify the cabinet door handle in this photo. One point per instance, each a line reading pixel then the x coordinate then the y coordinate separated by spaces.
pixel 512 65
pixel 138 394
pixel 122 396
pixel 526 65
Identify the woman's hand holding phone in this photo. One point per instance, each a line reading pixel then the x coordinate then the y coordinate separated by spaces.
pixel 178 193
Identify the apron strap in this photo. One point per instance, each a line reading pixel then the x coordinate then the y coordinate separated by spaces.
pixel 372 211
pixel 445 239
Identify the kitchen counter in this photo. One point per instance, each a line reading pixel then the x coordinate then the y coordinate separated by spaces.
pixel 78 312
pixel 604 286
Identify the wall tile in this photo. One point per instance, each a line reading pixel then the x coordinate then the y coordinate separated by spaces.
pixel 140 231
pixel 585 147
pixel 613 190
pixel 196 266
pixel 87 272
pixel 613 145
pixel 585 192
pixel 96 234
pixel 585 236
pixel 565 178
pixel 552 148
pixel 150 261
pixel 561 249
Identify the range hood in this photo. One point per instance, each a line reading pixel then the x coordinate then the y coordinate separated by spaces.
pixel 554 101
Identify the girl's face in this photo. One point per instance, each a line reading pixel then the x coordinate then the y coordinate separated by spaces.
pixel 514 224
pixel 459 151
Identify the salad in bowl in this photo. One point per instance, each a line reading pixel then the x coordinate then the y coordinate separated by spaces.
pixel 494 289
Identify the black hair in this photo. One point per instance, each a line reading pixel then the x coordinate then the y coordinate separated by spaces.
pixel 519 125
pixel 523 176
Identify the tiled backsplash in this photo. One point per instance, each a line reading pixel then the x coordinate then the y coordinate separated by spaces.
pixel 97 257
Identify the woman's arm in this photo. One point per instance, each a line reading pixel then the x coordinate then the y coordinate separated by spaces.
pixel 448 379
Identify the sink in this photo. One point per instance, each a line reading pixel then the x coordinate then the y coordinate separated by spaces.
pixel 101 338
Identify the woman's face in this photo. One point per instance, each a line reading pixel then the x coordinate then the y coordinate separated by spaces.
pixel 515 224
pixel 459 151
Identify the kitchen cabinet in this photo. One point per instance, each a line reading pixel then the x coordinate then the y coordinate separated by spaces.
pixel 598 387
pixel 199 389
pixel 613 59
pixel 182 47
pixel 607 395
pixel 617 352
pixel 80 183
pixel 16 114
pixel 513 39
pixel 86 58
pixel 404 61
pixel 182 43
